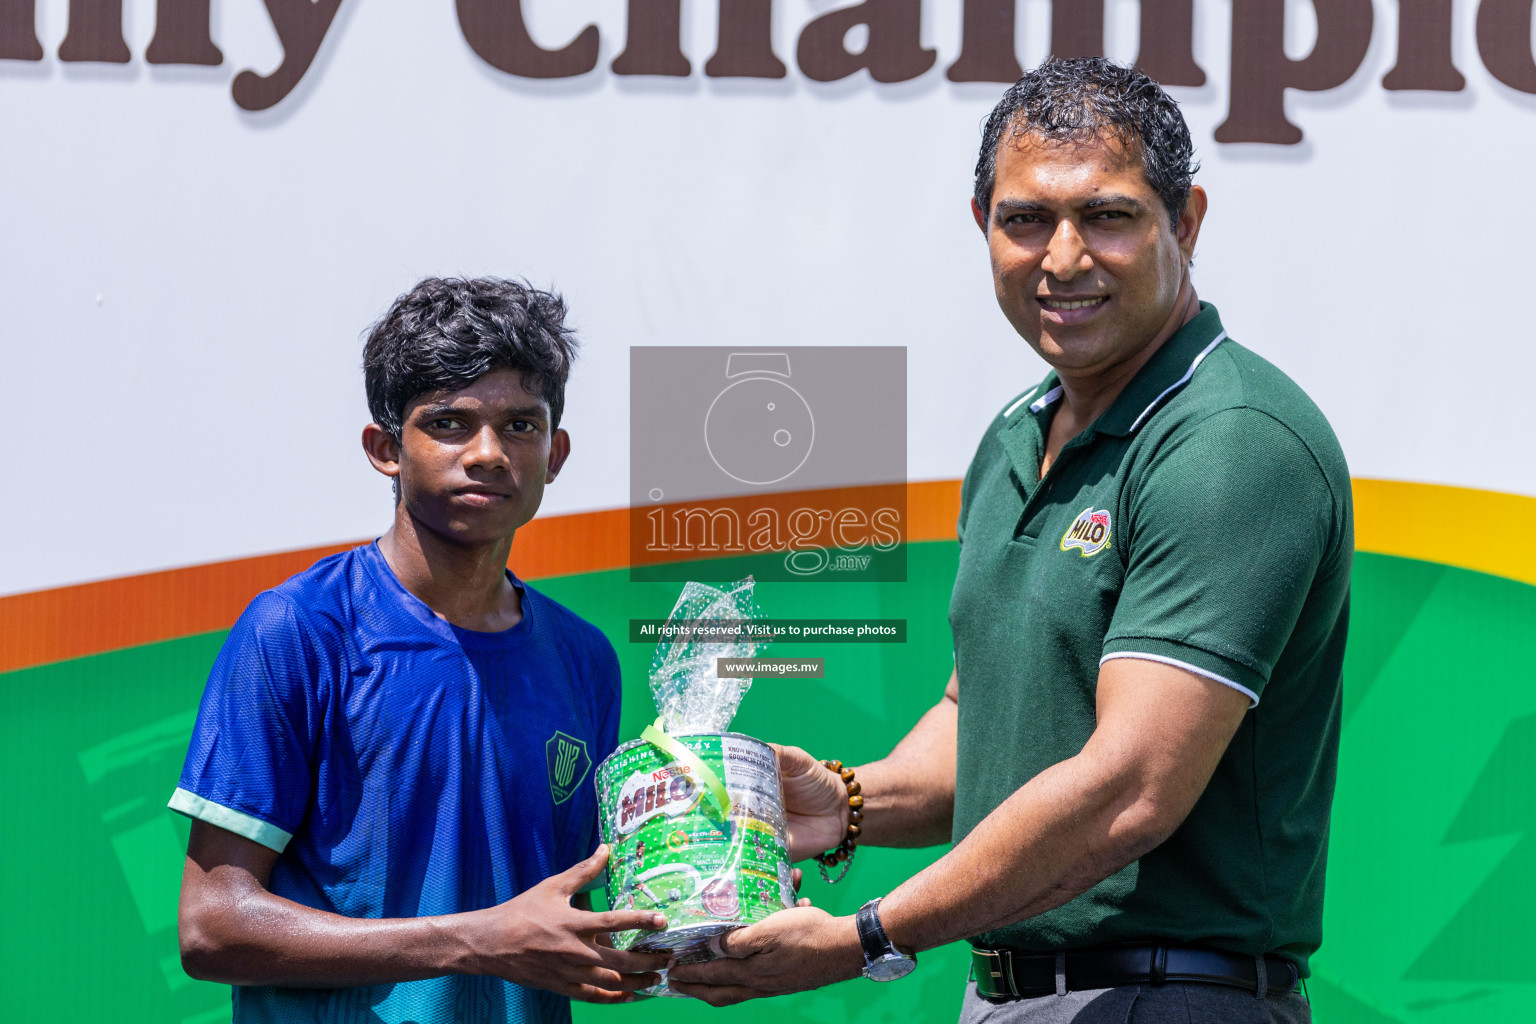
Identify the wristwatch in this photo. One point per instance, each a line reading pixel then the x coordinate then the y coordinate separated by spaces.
pixel 882 961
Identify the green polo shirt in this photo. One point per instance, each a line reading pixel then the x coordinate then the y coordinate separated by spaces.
pixel 1203 521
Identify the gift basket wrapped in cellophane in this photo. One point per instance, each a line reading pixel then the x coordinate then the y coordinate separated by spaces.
pixel 692 814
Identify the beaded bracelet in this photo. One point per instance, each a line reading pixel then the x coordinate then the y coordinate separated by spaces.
pixel 843 854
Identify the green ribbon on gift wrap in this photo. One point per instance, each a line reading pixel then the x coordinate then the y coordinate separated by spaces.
pixel 656 735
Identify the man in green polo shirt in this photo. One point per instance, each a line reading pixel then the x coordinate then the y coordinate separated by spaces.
pixel 1135 755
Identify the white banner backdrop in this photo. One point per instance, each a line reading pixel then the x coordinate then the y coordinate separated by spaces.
pixel 184 282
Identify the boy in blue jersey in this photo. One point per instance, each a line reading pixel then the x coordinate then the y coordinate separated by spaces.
pixel 390 776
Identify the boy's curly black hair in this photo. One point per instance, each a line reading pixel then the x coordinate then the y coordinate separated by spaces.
pixel 446 333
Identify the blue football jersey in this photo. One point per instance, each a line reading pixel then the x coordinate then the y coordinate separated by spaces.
pixel 402 767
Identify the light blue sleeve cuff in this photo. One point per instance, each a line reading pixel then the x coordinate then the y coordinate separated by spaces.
pixel 241 824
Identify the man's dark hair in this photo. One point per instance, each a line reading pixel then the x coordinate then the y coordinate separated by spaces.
pixel 447 333
pixel 1078 99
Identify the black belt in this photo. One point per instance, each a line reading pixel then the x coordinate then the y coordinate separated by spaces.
pixel 1003 974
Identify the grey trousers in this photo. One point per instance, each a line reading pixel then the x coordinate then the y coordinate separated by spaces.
pixel 1172 1003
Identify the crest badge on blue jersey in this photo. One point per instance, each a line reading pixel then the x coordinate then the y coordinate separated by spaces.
pixel 569 764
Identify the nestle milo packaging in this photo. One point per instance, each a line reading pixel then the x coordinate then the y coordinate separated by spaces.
pixel 692 814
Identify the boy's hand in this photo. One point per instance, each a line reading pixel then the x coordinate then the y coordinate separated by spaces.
pixel 815 803
pixel 539 940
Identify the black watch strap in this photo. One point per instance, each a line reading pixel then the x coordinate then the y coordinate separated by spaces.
pixel 872 934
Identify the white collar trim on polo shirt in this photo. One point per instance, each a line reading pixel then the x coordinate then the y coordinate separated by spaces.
pixel 1046 399
pixel 1055 393
pixel 1020 401
pixel 1170 389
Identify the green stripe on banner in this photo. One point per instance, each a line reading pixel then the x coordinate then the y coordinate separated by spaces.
pixel 1432 868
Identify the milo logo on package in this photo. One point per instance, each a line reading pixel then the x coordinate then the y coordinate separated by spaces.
pixel 674 852
pixel 670 791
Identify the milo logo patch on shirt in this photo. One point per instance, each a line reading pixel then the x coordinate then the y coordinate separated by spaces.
pixel 1089 533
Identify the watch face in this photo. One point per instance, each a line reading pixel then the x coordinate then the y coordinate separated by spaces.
pixel 889 967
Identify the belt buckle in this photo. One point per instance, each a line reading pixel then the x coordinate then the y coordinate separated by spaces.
pixel 999 968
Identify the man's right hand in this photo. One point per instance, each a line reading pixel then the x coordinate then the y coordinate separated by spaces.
pixel 815 803
pixel 540 940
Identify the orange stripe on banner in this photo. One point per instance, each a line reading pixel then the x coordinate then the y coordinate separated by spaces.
pixel 1427 522
pixel 933 508
pixel 1485 531
pixel 72 622
pixel 52 625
